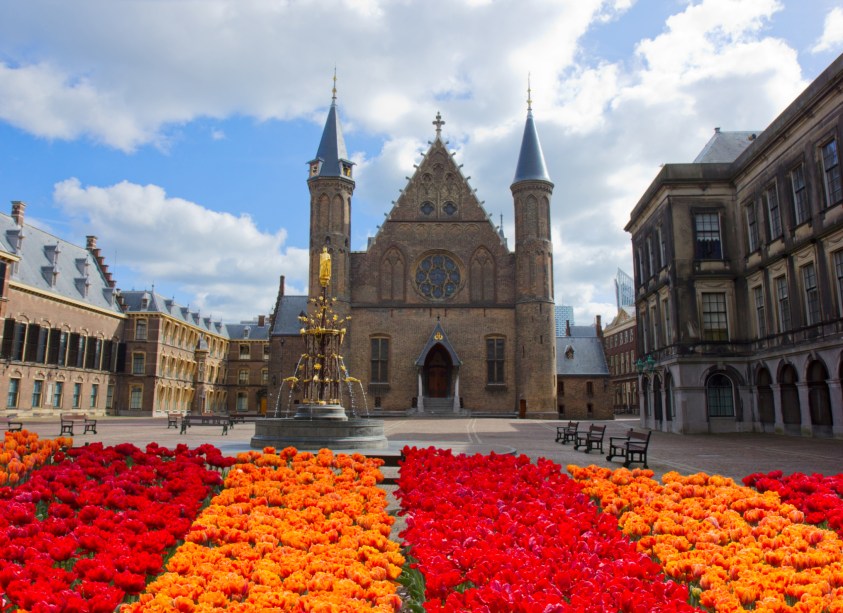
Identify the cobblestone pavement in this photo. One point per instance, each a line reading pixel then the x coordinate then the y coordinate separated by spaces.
pixel 732 455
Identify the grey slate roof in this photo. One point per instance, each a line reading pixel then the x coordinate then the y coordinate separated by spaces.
pixel 247 331
pixel 588 360
pixel 332 146
pixel 531 166
pixel 51 264
pixel 724 147
pixel 143 301
pixel 287 318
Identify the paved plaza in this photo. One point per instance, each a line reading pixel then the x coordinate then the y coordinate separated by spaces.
pixel 732 455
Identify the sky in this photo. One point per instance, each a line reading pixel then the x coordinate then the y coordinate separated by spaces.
pixel 178 131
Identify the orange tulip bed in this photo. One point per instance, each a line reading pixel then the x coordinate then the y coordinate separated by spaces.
pixel 289 532
pixel 739 549
pixel 23 452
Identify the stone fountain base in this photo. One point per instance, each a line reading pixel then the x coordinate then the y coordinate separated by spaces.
pixel 314 434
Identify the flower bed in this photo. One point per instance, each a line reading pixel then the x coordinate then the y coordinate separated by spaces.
pixel 741 549
pixel 82 533
pixel 497 533
pixel 24 452
pixel 290 532
pixel 819 497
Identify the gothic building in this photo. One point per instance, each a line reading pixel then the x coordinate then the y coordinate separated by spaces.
pixel 445 318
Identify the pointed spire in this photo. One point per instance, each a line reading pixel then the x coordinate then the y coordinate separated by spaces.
pixel 331 157
pixel 531 166
pixel 438 122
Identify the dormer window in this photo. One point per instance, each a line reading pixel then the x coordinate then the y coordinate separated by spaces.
pixel 315 165
pixel 569 352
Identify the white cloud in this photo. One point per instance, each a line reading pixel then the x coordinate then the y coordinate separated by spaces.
pixel 224 260
pixel 832 36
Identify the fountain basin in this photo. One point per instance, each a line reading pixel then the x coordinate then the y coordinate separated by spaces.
pixel 315 434
pixel 320 411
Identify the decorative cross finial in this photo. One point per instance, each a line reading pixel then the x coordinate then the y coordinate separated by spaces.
pixel 438 122
pixel 529 94
pixel 334 90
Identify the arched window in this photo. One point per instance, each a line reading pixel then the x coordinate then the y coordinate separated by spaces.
pixel 720 396
pixel 766 412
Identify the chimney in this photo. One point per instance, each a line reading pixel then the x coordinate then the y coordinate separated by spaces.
pixel 567 327
pixel 261 321
pixel 281 286
pixel 598 325
pixel 18 208
pixel 90 242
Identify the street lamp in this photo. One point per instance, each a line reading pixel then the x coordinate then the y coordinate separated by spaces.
pixel 651 363
pixel 639 365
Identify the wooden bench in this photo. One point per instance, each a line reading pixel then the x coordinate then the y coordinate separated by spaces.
pixel 68 420
pixel 12 425
pixel 242 418
pixel 188 421
pixel 564 434
pixel 591 438
pixel 632 447
pixel 173 420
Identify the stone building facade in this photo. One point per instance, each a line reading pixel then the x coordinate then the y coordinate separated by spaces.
pixel 583 391
pixel 739 278
pixel 445 319
pixel 620 343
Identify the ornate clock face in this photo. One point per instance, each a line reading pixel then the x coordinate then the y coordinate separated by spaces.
pixel 437 277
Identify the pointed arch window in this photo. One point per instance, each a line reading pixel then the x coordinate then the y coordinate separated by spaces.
pixel 482 276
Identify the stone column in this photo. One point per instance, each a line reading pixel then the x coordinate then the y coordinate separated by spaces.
pixel 834 393
pixel 805 408
pixel 421 393
pixel 457 392
pixel 777 407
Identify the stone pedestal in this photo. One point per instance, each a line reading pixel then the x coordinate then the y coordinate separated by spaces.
pixel 321 411
pixel 314 434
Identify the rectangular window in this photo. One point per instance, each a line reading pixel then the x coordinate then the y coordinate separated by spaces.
pixel 41 351
pixel 266 351
pixel 380 360
pixel 494 361
pixel 838 272
pixel 244 351
pixel 715 325
pixel 95 392
pixel 37 389
pixel 751 227
pixel 651 260
pixel 138 363
pixel 812 295
pixel 668 333
pixel 77 395
pixel 760 318
pixel 654 326
pixel 662 255
pixel 136 397
pixel 109 396
pixel 63 337
pixel 589 388
pixel 771 198
pixel 242 402
pixel 243 377
pixel 264 376
pixel 17 341
pixel 707 236
pixel 14 390
pixel 801 209
pixel 58 389
pixel 831 171
pixel 783 303
pixel 140 330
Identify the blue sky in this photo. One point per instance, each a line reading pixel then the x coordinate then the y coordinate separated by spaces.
pixel 178 131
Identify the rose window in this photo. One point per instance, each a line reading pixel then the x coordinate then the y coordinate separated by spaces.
pixel 437 277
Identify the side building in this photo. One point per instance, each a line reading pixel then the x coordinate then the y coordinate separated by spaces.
pixel 620 343
pixel 582 375
pixel 739 278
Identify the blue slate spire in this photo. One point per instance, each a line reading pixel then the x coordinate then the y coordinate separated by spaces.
pixel 531 166
pixel 331 158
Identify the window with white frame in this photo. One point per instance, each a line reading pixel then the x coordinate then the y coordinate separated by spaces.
pixel 774 217
pixel 37 390
pixel 812 296
pixel 783 303
pixel 715 323
pixel 242 402
pixel 707 236
pixel 760 317
pixel 58 389
pixel 801 208
pixel 138 363
pixel 95 393
pixel 77 395
pixel 243 377
pixel 752 242
pixel 136 397
pixel 244 351
pixel 14 391
pixel 831 172
pixel 140 330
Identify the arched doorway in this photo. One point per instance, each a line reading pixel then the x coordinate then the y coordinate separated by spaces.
pixel 437 372
pixel 261 401
pixel 819 400
pixel 720 396
pixel 791 413
pixel 657 398
pixel 766 407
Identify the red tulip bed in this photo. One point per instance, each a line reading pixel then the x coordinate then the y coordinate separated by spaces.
pixel 819 497
pixel 93 526
pixel 499 533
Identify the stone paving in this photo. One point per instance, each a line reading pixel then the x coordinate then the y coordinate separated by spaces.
pixel 732 455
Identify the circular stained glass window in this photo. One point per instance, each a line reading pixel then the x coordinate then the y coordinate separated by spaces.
pixel 437 277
